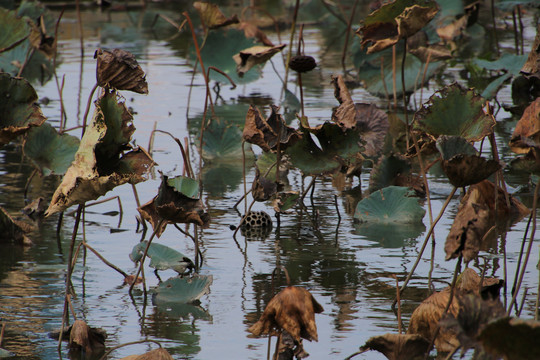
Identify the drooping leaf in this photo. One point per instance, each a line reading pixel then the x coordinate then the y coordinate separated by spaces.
pixel 18 109
pixel 293 310
pixel 183 290
pixel 264 132
pixel 512 338
pixel 393 204
pixel 394 21
pixel 211 15
pixel 390 170
pixel 454 110
pixel 120 70
pixel 86 339
pixel 13 30
pixel 100 164
pixel 255 55
pixel 461 163
pixel 162 257
pixel 527 131
pixel 49 151
pixel 476 215
pixel 398 346
pixel 262 188
pixel 41 41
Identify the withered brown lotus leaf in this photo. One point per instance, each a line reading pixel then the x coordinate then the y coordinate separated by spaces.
pixel 398 346
pixel 454 29
pixel 469 282
pixel 262 188
pixel 36 209
pixel 465 169
pixel 425 320
pixel 120 70
pixel 532 65
pixel 527 131
pixel 252 31
pixel 149 213
pixel 476 215
pixel 12 230
pixel 211 15
pixel 434 52
pixel 512 338
pixel 264 132
pixel 40 40
pixel 293 310
pixel 83 337
pixel 157 354
pixel 255 55
pixel 176 207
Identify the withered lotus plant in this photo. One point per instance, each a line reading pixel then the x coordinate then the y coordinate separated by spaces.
pixel 120 70
pixel 292 310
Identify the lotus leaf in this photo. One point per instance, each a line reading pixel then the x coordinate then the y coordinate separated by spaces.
pixel 529 163
pixel 187 186
pixel 510 63
pixel 99 164
pixel 478 212
pixel 18 109
pixel 454 110
pixel 532 65
pixel 393 21
pixel 255 55
pixel 285 200
pixel 120 70
pixel 223 143
pixel 183 290
pixel 13 30
pixel 269 159
pixel 49 151
pixel 86 339
pixel 390 170
pixel 393 204
pixel 162 257
pixel 157 354
pixel 224 114
pixel 398 346
pixel 211 15
pixel 11 230
pixel 38 67
pixel 527 131
pixel 512 338
pixel 262 188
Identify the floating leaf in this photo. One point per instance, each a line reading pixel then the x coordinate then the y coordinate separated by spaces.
pixel 398 346
pixel 393 204
pixel 13 30
pixel 211 15
pixel 49 151
pixel 182 290
pixel 454 110
pixel 394 21
pixel 512 338
pixel 476 215
pixel 18 109
pixel 293 310
pixel 120 70
pixel 162 257
pixel 462 164
pixel 264 132
pixel 527 131
pixel 100 164
pixel 255 55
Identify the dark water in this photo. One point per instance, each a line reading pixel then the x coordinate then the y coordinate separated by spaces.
pixel 348 270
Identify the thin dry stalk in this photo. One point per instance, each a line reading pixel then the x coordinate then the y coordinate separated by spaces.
pixel 126 344
pixel 28 183
pixel 244 177
pixel 398 304
pixel 407 130
pixel 291 40
pixel 187 167
pixel 424 78
pixel 394 76
pixel 87 110
pixel 198 252
pixel 347 34
pixel 105 261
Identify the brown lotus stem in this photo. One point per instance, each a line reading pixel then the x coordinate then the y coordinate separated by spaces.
pixel 284 270
pixel 105 261
pixel 88 103
pixel 398 304
pixel 244 177
pixel 187 166
pixel 347 34
pixel 106 354
pixel 195 242
pixel 424 78
pixel 407 130
pixel 394 76
pixel 291 40
pixel 233 84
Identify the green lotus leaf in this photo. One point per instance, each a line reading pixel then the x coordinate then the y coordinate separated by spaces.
pixel 18 109
pixel 369 70
pixel 49 151
pixel 100 162
pixel 183 289
pixel 386 171
pixel 450 146
pixel 13 30
pixel 510 63
pixel 393 204
pixel 285 200
pixel 223 143
pixel 186 186
pixel 162 257
pixel 38 67
pixel 454 110
pixel 512 338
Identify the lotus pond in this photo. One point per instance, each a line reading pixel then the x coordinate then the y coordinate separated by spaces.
pixel 353 210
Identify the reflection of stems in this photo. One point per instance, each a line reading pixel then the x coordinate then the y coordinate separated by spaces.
pixel 105 261
pixel 533 231
pixel 344 54
pixel 161 221
pixel 430 231
pixel 398 304
pixel 126 344
pixel 187 165
pixel 198 252
pixel 311 184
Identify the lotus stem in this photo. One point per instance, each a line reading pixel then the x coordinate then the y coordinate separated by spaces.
pixel 347 34
pixel 128 343
pixel 244 177
pixel 516 40
pixel 407 130
pixel 430 231
pixel 60 88
pixel 518 314
pixel 293 28
pixel 520 258
pixel 495 28
pixel 88 103
pixel 394 76
pixel 533 231
pixel 187 166
pixel 398 304
pixel 105 261
pixel 198 253
pixel 28 183
pixel 424 78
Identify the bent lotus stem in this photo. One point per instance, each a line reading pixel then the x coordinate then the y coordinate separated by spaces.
pixel 106 354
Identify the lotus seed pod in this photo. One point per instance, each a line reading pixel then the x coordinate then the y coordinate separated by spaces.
pixel 302 63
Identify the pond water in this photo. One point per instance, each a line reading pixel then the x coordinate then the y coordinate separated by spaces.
pixel 348 271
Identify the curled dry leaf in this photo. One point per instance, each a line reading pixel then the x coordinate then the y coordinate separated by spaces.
pixel 264 132
pixel 532 65
pixel 512 338
pixel 256 55
pixel 371 122
pixel 19 110
pixel 293 310
pixel 157 354
pixel 398 346
pixel 476 216
pixel 36 209
pixel 211 15
pixel 40 40
pixel 84 338
pixel 252 31
pixel 120 70
pixel 262 188
pixel 393 21
pixel 12 230
pixel 527 131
